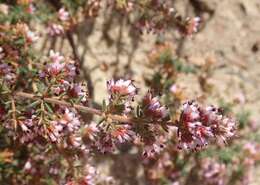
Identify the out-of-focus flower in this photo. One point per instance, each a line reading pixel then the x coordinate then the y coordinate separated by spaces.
pixel 252 152
pixel 79 91
pixel 71 69
pixel 54 130
pixel 63 14
pixel 151 150
pixel 90 131
pixel 124 88
pixel 177 91
pixel 4 9
pixel 8 74
pixel 31 36
pixel 191 26
pixel 212 172
pixel 240 98
pixel 153 108
pixel 197 126
pixel 56 65
pixel 31 8
pixel 55 29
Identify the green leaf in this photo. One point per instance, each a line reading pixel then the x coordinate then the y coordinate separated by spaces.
pixel 48 107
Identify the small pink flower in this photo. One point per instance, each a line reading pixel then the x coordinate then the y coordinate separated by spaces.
pixel 213 172
pixel 70 120
pixel 124 88
pixel 71 69
pixel 8 73
pixel 56 65
pixel 63 14
pixel 153 107
pixel 31 9
pixel 123 133
pixel 55 29
pixel 151 150
pixel 90 131
pixel 54 131
pixel 191 26
pixel 79 91
pixel 31 36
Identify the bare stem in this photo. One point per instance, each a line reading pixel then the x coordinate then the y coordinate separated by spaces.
pixel 14 113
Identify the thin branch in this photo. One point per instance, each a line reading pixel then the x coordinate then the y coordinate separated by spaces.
pixel 89 110
pixel 14 113
pixel 78 107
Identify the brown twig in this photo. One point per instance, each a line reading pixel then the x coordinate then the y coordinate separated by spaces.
pixel 89 110
pixel 14 113
pixel 78 107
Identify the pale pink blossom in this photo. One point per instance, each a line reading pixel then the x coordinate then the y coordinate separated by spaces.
pixel 79 90
pixel 70 120
pixel 197 126
pixel 57 63
pixel 8 74
pixel 153 107
pixel 123 133
pixel 124 88
pixel 55 29
pixel 31 9
pixel 31 36
pixel 90 131
pixel 63 14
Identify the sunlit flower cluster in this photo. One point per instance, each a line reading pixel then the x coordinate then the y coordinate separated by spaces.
pixel 197 126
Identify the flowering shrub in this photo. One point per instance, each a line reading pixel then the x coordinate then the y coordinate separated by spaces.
pixel 52 134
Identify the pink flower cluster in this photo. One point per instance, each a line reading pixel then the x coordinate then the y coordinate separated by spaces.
pixel 55 29
pixel 197 126
pixel 66 124
pixel 213 172
pixel 61 72
pixel 8 73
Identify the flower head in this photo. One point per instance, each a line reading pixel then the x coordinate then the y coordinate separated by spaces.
pixel 56 65
pixel 153 107
pixel 63 14
pixel 197 126
pixel 69 120
pixel 123 133
pixel 124 88
pixel 79 91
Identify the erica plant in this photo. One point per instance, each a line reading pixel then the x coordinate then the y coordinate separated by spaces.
pixel 53 131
